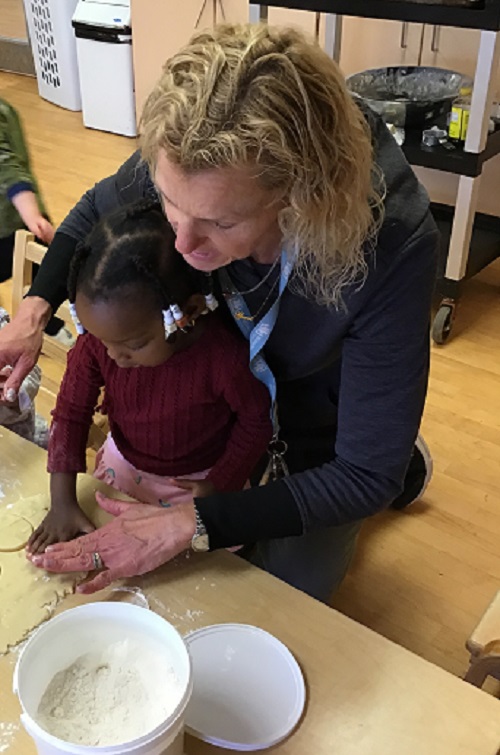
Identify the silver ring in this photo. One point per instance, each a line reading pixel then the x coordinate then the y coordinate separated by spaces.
pixel 98 563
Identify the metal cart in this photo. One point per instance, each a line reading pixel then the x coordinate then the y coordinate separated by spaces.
pixel 463 232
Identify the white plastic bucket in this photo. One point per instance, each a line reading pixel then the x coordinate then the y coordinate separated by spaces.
pixel 93 627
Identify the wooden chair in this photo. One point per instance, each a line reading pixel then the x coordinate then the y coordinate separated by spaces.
pixel 484 646
pixel 28 252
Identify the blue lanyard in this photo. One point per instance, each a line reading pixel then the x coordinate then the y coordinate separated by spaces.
pixel 258 334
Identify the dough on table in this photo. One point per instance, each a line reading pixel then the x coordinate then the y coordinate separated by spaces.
pixel 15 531
pixel 28 595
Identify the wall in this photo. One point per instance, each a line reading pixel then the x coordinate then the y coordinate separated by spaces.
pixel 15 52
pixel 159 32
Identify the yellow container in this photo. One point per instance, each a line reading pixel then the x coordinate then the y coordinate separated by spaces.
pixel 459 117
pixel 465 122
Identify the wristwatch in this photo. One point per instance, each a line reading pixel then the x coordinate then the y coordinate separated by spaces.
pixel 199 541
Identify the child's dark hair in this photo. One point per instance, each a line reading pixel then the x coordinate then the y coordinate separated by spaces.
pixel 131 253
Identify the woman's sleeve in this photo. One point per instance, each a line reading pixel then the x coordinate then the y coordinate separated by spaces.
pixel 385 360
pixel 129 183
pixel 75 406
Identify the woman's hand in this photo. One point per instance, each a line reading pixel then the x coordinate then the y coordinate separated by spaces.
pixel 21 343
pixel 138 540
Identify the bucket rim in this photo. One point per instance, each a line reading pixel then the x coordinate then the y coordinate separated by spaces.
pixel 62 745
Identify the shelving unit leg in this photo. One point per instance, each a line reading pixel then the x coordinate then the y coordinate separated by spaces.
pixel 484 90
pixel 333 35
pixel 458 255
pixel 257 13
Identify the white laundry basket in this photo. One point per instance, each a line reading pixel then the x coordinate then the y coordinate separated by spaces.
pixel 54 51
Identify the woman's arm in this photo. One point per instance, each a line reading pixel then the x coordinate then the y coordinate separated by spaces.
pixel 385 360
pixel 69 431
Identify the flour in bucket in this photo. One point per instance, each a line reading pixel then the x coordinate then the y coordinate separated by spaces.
pixel 109 697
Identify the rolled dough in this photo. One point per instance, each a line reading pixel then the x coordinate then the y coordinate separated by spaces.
pixel 28 595
pixel 15 531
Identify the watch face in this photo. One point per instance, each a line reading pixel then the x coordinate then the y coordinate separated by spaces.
pixel 200 543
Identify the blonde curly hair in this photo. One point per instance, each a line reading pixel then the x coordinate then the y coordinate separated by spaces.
pixel 267 98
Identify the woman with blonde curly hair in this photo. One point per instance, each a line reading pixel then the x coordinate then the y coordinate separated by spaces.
pixel 299 206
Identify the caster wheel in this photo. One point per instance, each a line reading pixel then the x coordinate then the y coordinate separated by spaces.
pixel 442 325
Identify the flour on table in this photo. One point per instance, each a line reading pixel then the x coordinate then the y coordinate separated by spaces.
pixel 28 595
pixel 109 697
pixel 7 731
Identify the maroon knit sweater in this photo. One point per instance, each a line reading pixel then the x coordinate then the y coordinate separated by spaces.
pixel 201 408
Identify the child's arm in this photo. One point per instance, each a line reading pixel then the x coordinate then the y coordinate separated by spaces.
pixel 26 204
pixel 65 519
pixel 249 438
pixel 16 180
pixel 69 431
pixel 75 406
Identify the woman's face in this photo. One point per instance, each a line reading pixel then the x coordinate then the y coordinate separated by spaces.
pixel 219 215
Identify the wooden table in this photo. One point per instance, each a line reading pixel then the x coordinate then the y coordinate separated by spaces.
pixel 365 695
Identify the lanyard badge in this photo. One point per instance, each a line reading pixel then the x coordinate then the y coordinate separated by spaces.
pixel 258 335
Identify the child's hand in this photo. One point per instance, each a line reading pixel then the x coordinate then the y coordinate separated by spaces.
pixel 199 488
pixel 26 204
pixel 60 524
pixel 42 229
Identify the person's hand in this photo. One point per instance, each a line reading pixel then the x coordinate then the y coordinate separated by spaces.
pixel 20 345
pixel 140 538
pixel 61 524
pixel 5 373
pixel 26 204
pixel 198 488
pixel 42 229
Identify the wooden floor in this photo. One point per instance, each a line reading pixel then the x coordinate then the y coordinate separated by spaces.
pixel 423 577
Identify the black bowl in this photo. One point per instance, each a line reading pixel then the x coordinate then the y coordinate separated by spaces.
pixel 408 96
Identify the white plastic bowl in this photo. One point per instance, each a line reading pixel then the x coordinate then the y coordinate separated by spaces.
pixel 92 627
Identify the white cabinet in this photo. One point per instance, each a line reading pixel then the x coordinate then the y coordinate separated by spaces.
pixel 235 11
pixel 452 48
pixel 299 19
pixel 158 31
pixel 372 43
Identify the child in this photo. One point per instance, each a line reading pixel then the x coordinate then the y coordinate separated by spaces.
pixel 179 395
pixel 21 204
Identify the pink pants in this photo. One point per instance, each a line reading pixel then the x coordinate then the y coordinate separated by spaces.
pixel 112 468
